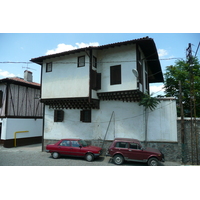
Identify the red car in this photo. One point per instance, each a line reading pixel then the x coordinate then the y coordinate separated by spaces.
pixel 131 150
pixel 75 148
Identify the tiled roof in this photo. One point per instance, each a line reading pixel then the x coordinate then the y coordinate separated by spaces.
pixel 40 59
pixel 146 44
pixel 20 81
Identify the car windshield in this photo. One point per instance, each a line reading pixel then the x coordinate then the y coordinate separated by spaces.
pixel 83 143
pixel 142 147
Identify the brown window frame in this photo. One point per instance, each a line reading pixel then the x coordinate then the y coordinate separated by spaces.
pixel 47 66
pixel 58 115
pixel 86 116
pixel 80 63
pixel 115 75
pixel 1 98
pixel 94 62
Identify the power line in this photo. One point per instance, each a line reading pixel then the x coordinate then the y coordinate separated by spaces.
pixel 75 62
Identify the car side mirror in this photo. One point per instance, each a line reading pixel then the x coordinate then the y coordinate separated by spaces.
pixel 80 146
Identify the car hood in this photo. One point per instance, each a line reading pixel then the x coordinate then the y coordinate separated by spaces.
pixel 149 149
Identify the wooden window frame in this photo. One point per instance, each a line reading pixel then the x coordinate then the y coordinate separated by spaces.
pixel 80 63
pixel 1 98
pixel 94 63
pixel 115 75
pixel 58 115
pixel 86 116
pixel 49 65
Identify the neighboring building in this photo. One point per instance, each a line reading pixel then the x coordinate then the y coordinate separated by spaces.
pixel 93 93
pixel 20 110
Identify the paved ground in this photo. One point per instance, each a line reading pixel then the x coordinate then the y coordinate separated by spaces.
pixel 32 155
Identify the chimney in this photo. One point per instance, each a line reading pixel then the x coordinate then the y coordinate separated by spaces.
pixel 28 76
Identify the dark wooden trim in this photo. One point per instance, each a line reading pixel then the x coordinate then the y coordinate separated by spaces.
pixel 71 103
pixel 128 95
pixel 7 95
pixel 22 141
pixel 90 75
pixel 23 117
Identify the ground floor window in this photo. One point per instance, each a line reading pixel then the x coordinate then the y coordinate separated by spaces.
pixel 85 116
pixel 58 115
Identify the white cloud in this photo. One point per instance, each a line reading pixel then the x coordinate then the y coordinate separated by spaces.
pixel 157 89
pixel 162 52
pixel 5 74
pixel 66 47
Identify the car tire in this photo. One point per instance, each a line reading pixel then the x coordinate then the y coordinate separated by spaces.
pixel 153 162
pixel 89 157
pixel 55 155
pixel 118 159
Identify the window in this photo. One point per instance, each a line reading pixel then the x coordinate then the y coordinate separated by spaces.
pixel 94 62
pixel 134 146
pixel 1 98
pixel 75 144
pixel 121 145
pixel 115 75
pixel 58 115
pixel 49 67
pixel 85 116
pixel 81 61
pixel 65 143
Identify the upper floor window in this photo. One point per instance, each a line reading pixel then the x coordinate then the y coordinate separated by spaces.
pixel 1 98
pixel 49 67
pixel 115 75
pixel 94 62
pixel 81 61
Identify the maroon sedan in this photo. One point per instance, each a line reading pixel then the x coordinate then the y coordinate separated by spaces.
pixel 75 148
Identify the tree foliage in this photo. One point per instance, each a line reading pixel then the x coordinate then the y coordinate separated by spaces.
pixel 189 75
pixel 149 102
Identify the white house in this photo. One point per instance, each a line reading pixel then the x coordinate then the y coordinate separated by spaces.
pixel 21 112
pixel 93 93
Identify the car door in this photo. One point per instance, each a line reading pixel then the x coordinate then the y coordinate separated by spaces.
pixel 76 150
pixel 64 147
pixel 122 147
pixel 135 152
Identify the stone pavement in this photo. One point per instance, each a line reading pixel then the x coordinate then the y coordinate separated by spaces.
pixel 32 155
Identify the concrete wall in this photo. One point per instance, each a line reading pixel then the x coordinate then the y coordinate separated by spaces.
pixel 128 121
pixel 11 125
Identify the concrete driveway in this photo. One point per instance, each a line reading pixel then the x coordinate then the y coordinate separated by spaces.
pixel 32 155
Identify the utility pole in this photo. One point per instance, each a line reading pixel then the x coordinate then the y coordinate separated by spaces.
pixel 189 60
pixel 182 122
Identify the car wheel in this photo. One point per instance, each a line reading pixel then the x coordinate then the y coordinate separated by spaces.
pixel 89 157
pixel 118 159
pixel 55 155
pixel 153 162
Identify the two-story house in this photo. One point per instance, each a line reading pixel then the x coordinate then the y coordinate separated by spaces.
pixel 21 112
pixel 93 93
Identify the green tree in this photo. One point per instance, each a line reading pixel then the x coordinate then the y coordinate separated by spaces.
pixel 189 75
pixel 149 103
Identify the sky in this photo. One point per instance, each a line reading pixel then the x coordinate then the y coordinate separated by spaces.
pixel 21 47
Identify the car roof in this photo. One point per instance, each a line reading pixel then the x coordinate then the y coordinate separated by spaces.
pixel 127 140
pixel 71 139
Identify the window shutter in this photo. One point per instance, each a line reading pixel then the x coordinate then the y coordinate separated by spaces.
pixel 98 81
pixel 58 115
pixel 93 79
pixel 1 98
pixel 115 74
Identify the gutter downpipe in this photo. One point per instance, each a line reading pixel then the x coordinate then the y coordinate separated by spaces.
pixel 15 144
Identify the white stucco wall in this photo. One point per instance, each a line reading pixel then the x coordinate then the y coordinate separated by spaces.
pixel 11 125
pixel 128 121
pixel 66 79
pixel 124 56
